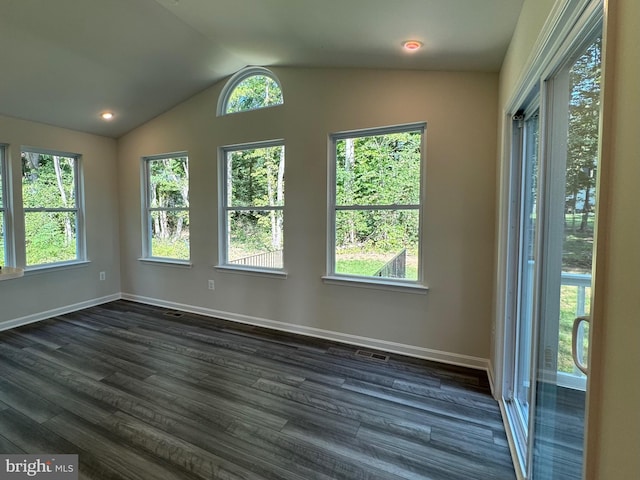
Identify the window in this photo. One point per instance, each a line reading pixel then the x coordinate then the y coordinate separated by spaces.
pixel 51 197
pixel 375 204
pixel 3 207
pixel 252 200
pixel 166 205
pixel 250 89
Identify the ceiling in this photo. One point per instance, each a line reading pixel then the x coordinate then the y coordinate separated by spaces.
pixel 64 62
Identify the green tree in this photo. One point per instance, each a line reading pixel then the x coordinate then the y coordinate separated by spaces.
pixel 582 158
pixel 256 179
pixel 48 183
pixel 256 91
pixel 584 114
pixel 169 195
pixel 382 170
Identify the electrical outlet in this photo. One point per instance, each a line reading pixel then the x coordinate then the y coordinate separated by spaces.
pixel 212 285
pixel 103 276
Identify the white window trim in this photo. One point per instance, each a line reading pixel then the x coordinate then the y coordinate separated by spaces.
pixel 235 80
pixel 5 208
pixel 406 286
pixel 169 262
pixel 223 209
pixel 147 209
pixel 48 267
pixel 251 271
pixel 356 280
pixel 81 237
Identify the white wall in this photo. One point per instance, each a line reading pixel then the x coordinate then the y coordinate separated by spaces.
pixel 532 18
pixel 31 296
pixel 460 111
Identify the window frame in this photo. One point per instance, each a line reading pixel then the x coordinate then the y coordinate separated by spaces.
pixel 237 79
pixel 224 209
pixel 361 280
pixel 78 185
pixel 5 208
pixel 147 210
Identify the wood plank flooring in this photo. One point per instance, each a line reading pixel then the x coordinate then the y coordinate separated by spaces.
pixel 140 394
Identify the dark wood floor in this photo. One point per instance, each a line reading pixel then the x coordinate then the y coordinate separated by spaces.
pixel 140 394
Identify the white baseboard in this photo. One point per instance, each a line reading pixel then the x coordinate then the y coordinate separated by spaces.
pixel 491 378
pixel 391 347
pixel 37 317
pixel 387 346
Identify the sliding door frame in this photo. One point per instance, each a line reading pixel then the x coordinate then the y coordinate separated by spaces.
pixel 570 23
pixel 520 278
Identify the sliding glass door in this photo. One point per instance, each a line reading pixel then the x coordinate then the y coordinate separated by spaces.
pixel 526 139
pixel 555 150
pixel 568 241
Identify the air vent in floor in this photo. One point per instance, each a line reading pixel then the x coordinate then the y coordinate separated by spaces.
pixel 372 356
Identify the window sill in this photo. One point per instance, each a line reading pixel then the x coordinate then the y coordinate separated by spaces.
pixel 38 269
pixel 8 273
pixel 259 272
pixel 375 284
pixel 169 262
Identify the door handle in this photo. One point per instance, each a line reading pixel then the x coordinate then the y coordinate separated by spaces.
pixel 574 344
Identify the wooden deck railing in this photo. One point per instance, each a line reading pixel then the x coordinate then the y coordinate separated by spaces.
pixel 267 260
pixel 394 268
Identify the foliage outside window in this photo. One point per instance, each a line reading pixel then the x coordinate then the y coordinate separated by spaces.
pixel 252 206
pixel 583 138
pixel 582 159
pixel 251 89
pixel 52 214
pixel 167 207
pixel 376 204
pixel 3 208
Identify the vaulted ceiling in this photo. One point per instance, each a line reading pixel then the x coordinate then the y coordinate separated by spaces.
pixel 64 62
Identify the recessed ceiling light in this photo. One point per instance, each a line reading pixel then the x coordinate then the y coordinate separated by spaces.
pixel 107 116
pixel 411 45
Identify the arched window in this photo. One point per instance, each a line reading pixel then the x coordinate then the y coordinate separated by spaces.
pixel 250 89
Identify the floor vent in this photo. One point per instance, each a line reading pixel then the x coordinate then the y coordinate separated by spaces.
pixel 372 356
pixel 174 314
